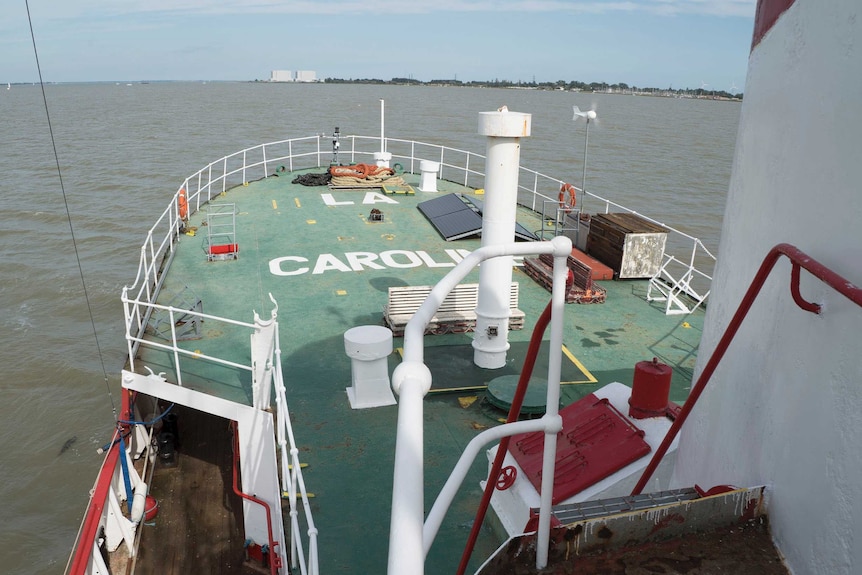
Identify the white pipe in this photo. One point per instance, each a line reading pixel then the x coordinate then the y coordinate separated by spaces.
pixel 447 494
pixel 504 130
pixel 382 139
pixel 405 534
pixel 558 303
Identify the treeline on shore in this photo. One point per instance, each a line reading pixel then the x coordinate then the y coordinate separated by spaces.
pixel 562 85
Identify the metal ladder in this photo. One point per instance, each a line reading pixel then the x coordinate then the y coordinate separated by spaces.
pixel 221 232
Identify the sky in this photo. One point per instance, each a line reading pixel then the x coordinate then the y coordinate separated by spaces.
pixel 644 43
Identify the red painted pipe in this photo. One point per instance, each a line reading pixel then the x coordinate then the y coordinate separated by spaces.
pixel 514 412
pixel 798 260
pixel 90 526
pixel 274 557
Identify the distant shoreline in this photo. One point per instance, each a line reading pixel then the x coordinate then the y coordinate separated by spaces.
pixel 576 87
pixel 561 86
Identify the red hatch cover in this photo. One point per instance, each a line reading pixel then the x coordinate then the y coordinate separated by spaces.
pixel 596 441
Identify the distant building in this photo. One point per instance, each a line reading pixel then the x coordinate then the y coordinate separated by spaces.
pixel 306 76
pixel 281 76
pixel 289 76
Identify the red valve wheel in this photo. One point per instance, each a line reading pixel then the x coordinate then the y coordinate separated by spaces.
pixel 507 477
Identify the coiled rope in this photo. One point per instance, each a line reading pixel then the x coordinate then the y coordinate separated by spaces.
pixel 364 176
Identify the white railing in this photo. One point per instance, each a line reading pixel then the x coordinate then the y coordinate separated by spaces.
pixel 137 309
pixel 534 190
pixel 292 482
pixel 674 280
pixel 410 534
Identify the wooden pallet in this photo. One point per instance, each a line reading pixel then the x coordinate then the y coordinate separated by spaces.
pixel 456 314
pixel 583 288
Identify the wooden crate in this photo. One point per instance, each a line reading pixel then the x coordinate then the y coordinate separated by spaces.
pixel 632 246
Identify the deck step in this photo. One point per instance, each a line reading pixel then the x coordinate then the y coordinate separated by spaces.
pixel 575 512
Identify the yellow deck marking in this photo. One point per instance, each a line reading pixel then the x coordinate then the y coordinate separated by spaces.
pixel 466 402
pixel 311 222
pixel 340 292
pixel 286 495
pixel 296 201
pixel 590 377
pixel 274 205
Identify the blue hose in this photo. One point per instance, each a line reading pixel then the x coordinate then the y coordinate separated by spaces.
pixel 151 422
pixel 126 480
pixel 108 446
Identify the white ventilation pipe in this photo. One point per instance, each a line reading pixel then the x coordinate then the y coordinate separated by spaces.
pixel 504 129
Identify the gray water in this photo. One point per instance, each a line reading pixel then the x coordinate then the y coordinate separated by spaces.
pixel 124 150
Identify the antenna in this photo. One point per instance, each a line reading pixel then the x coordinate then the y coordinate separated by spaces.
pixel 589 116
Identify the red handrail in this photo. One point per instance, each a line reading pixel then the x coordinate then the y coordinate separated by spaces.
pixel 274 557
pixel 798 260
pixel 93 517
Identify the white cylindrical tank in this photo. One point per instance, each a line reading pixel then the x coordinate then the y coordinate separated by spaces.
pixel 504 131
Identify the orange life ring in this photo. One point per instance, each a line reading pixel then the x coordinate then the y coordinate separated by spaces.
pixel 567 197
pixel 183 204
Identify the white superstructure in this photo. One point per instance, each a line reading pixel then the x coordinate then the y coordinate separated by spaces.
pixel 784 412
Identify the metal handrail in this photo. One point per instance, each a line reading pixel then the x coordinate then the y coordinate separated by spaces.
pixel 798 260
pixel 85 543
pixel 409 536
pixel 292 481
pixel 140 309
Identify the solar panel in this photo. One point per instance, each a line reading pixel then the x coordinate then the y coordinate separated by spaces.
pixel 521 232
pixel 455 216
pixel 442 205
pixel 451 217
